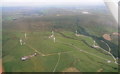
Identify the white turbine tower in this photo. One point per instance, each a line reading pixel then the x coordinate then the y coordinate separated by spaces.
pixel 52 32
pixel 20 41
pixel 76 32
pixel 94 43
pixel 54 39
pixel 25 35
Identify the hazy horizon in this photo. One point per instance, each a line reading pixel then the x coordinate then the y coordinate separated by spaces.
pixel 9 3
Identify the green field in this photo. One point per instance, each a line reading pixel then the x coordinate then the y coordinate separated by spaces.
pixel 68 52
pixel 69 55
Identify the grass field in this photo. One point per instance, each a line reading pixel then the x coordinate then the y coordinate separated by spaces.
pixel 62 50
pixel 70 56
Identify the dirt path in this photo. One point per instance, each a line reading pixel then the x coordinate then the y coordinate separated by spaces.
pixel 35 50
pixel 77 49
pixel 57 53
pixel 46 54
pixel 89 53
pixel 109 52
pixel 81 50
pixel 107 46
pixel 57 62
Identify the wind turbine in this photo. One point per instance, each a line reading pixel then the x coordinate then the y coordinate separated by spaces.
pixel 20 41
pixel 25 35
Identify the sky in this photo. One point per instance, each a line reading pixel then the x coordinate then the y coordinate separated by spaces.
pixel 50 2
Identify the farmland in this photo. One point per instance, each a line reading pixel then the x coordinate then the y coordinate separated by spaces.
pixel 63 51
